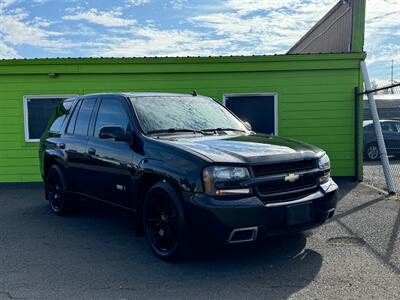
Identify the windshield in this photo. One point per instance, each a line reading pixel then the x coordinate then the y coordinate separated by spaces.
pixel 163 113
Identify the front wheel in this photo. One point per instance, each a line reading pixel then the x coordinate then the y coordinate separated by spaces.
pixel 164 222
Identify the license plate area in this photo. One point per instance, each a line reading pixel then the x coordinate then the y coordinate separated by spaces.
pixel 299 213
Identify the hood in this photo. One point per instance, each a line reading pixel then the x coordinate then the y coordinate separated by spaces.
pixel 245 148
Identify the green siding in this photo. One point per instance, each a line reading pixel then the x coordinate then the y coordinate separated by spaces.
pixel 315 95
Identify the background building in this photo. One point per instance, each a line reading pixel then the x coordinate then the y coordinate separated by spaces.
pixel 307 94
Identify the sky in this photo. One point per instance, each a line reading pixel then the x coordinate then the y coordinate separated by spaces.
pixel 127 28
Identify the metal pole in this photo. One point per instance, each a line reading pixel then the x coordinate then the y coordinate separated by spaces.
pixel 356 133
pixel 378 131
pixel 391 78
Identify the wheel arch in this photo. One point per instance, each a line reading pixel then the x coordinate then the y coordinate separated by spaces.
pixel 51 158
pixel 143 182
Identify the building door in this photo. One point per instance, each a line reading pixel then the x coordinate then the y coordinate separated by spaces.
pixel 260 110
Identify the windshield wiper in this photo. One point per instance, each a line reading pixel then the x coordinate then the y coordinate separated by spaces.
pixel 174 130
pixel 222 129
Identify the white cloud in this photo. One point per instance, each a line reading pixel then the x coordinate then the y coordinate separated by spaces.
pixel 275 28
pixel 17 32
pixel 40 1
pixel 6 51
pixel 231 27
pixel 137 2
pixel 312 7
pixel 150 41
pixel 382 38
pixel 16 28
pixel 6 3
pixel 177 4
pixel 104 18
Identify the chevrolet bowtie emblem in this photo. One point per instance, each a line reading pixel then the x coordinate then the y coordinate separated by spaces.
pixel 291 178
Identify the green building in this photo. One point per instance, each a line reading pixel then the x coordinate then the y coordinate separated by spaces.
pixel 313 91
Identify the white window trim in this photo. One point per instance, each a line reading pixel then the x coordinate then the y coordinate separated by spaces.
pixel 275 95
pixel 26 118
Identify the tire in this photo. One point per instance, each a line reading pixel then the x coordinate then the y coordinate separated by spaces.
pixel 59 202
pixel 164 222
pixel 372 151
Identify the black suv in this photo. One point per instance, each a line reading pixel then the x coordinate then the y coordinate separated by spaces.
pixel 187 166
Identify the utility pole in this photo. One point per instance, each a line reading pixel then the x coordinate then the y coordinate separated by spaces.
pixel 391 78
pixel 378 130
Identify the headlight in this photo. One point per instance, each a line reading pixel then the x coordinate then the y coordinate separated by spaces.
pixel 324 165
pixel 224 181
pixel 324 162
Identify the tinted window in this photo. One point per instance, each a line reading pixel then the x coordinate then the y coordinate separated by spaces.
pixel 387 127
pixel 396 126
pixel 72 120
pixel 111 113
pixel 83 119
pixel 60 115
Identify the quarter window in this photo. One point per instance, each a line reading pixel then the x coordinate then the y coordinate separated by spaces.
pixel 111 113
pixel 60 115
pixel 72 120
pixel 83 119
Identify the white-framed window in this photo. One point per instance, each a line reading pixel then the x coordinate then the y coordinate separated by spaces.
pixel 259 109
pixel 38 110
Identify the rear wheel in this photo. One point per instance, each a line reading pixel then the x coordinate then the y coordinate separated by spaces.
pixel 164 222
pixel 59 202
pixel 372 151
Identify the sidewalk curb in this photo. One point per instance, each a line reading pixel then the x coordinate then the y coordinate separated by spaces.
pixel 375 188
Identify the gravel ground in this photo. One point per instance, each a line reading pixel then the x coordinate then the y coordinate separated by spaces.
pixel 373 174
pixel 94 254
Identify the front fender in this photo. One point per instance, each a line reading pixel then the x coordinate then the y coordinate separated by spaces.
pixel 184 175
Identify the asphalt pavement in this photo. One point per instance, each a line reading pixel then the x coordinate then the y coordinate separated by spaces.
pixel 94 254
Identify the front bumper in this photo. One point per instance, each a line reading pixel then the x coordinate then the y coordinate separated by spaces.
pixel 219 219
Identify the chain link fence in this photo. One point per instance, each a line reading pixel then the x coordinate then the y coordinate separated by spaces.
pixel 388 104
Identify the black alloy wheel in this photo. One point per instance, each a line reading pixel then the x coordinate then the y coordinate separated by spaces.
pixel 55 187
pixel 164 222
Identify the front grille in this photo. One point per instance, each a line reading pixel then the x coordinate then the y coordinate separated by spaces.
pixel 282 168
pixel 282 186
pixel 276 189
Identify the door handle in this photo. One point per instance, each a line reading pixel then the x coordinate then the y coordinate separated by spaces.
pixel 61 145
pixel 92 151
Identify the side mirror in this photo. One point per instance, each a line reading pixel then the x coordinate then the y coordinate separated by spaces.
pixel 248 125
pixel 114 132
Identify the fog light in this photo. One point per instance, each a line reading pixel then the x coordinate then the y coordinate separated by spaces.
pixel 325 178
